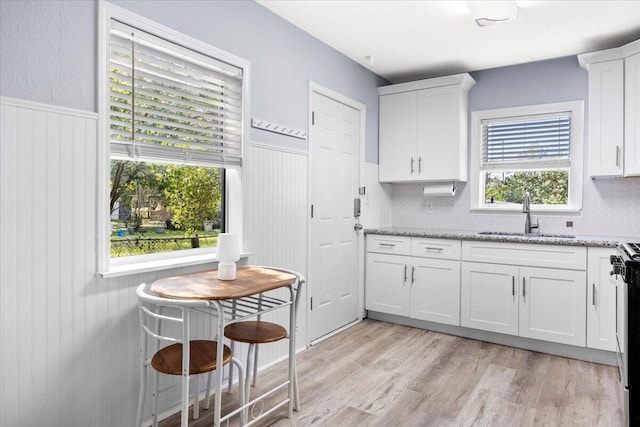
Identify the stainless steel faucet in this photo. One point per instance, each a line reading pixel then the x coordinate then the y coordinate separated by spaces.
pixel 526 202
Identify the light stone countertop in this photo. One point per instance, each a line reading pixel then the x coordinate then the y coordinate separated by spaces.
pixel 507 237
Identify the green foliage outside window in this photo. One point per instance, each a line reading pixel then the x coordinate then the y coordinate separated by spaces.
pixel 544 187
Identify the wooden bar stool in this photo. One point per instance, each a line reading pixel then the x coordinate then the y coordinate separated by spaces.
pixel 164 319
pixel 255 332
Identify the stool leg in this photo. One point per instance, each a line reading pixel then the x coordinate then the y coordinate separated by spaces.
pixel 142 395
pixel 247 382
pixel 243 400
pixel 195 384
pixel 255 366
pixel 208 394
pixel 296 392
pixel 156 380
pixel 232 347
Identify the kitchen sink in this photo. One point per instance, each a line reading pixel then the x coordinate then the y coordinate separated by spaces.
pixel 507 234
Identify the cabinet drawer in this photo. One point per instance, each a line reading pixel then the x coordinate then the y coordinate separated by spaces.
pixel 435 248
pixel 384 244
pixel 550 256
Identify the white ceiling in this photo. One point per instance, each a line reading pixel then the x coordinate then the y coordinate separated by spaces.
pixel 411 40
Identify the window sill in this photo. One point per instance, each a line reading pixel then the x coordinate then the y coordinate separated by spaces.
pixel 127 269
pixel 511 211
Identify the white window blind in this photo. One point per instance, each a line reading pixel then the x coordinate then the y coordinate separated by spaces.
pixel 170 104
pixel 525 140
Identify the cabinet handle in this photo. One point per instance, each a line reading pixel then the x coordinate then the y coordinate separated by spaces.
pixel 524 287
pixel 405 273
pixel 513 286
pixel 419 164
pixel 428 249
pixel 617 155
pixel 413 274
pixel 412 165
pixel 593 294
pixel 389 245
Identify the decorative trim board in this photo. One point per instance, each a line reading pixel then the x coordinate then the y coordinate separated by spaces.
pixel 277 128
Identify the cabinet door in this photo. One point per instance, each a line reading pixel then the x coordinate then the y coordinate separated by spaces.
pixel 441 148
pixel 397 133
pixel 601 301
pixel 387 289
pixel 552 305
pixel 632 115
pixel 606 118
pixel 489 297
pixel 435 290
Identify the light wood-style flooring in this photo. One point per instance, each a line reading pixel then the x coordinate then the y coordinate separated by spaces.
pixel 381 374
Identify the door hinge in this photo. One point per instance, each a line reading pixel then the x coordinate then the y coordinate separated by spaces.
pixel 311 211
pixel 311 303
pixel 313 118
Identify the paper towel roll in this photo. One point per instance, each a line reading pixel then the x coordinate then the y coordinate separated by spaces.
pixel 440 189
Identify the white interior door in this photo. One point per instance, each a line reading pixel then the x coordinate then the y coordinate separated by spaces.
pixel 334 146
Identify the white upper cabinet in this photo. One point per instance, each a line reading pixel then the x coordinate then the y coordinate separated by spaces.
pixel 606 118
pixel 614 111
pixel 423 130
pixel 398 128
pixel 632 115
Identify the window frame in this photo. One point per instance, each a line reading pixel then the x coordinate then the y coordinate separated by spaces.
pixel 109 267
pixel 576 173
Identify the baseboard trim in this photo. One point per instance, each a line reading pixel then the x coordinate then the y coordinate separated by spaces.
pixel 564 350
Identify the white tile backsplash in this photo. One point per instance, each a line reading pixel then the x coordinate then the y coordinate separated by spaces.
pixel 611 207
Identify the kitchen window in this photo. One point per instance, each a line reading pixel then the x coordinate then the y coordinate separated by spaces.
pixel 535 149
pixel 172 115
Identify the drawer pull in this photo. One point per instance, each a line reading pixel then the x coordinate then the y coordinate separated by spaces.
pixel 438 250
pixel 388 245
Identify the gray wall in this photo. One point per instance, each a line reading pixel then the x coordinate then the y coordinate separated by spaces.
pixel 48 54
pixel 609 205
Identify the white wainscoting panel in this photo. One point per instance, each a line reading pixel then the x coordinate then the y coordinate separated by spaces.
pixel 275 225
pixel 48 357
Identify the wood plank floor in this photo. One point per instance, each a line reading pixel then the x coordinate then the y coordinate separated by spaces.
pixel 381 374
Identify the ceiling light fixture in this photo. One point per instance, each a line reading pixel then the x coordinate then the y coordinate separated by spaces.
pixel 492 11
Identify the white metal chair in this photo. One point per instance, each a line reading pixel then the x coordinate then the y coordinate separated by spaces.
pixel 165 319
pixel 255 332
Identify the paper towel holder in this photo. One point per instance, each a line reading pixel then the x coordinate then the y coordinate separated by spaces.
pixel 437 189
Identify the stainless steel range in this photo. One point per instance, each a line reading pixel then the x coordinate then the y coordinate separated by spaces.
pixel 625 275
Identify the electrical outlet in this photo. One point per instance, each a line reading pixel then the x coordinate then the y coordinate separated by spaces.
pixel 569 223
pixel 429 207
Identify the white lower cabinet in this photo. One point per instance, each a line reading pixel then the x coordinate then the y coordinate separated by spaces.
pixel 488 297
pixel 601 300
pixel 423 287
pixel 552 305
pixel 435 290
pixel 387 290
pixel 540 303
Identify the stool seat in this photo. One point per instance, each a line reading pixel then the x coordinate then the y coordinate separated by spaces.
pixel 202 358
pixel 255 332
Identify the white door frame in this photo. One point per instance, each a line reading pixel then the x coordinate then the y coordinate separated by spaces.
pixel 362 108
